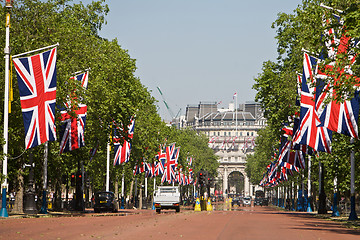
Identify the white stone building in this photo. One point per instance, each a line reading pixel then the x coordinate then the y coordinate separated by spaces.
pixel 231 134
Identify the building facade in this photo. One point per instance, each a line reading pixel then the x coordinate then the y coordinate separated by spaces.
pixel 232 133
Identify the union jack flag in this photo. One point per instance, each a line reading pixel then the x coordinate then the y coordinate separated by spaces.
pixel 336 116
pixel 149 170
pixel 170 164
pixel 233 142
pixel 139 168
pixel 291 159
pixel 122 152
pixel 190 178
pixel 73 127
pixel 36 77
pixel 319 138
pixel 160 163
pixel 190 160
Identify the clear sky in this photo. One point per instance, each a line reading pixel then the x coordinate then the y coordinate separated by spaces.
pixel 196 50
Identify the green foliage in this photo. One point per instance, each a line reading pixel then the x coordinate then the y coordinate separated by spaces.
pixel 276 85
pixel 113 94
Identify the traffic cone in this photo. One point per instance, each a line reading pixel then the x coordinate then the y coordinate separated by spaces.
pixel 197 205
pixel 209 206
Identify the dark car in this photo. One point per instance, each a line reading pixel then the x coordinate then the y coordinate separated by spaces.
pixel 258 201
pixel 236 200
pixel 105 201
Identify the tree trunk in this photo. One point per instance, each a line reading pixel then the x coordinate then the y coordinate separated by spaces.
pixel 131 193
pixel 18 206
pixel 117 188
pixel 57 195
pixel 140 196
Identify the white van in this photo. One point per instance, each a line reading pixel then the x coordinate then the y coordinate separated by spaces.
pixel 167 197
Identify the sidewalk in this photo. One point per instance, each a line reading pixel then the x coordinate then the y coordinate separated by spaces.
pixel 88 212
pixel 341 219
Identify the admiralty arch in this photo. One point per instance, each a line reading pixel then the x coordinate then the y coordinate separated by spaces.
pixel 231 132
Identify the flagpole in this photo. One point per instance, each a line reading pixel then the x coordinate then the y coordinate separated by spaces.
pixel 36 50
pixel 108 167
pixel 43 209
pixel 81 71
pixel 4 212
pixel 330 8
pixel 236 120
pixel 122 190
pixel 145 187
pixel 309 185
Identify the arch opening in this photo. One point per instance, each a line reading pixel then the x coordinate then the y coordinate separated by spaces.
pixel 236 183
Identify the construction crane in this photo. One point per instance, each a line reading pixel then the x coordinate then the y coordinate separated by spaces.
pixel 172 115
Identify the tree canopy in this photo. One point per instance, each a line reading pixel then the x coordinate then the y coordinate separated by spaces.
pixel 114 94
pixel 303 30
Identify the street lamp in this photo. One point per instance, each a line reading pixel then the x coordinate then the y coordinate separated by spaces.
pixel 30 205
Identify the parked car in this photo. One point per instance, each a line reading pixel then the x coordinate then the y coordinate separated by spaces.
pixel 258 201
pixel 105 201
pixel 236 201
pixel 247 201
pixel 259 198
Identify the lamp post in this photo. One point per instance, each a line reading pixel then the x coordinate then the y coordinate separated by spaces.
pixel 353 215
pixel 30 206
pixel 8 5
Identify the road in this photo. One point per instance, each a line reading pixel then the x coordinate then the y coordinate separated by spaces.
pixel 255 223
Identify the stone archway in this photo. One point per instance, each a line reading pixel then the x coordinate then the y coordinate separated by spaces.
pixel 236 183
pixel 226 170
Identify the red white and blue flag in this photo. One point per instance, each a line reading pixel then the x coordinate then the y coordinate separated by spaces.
pixel 336 116
pixel 139 168
pixel 160 163
pixel 36 77
pixel 318 138
pixel 73 124
pixel 149 170
pixel 122 151
pixel 172 154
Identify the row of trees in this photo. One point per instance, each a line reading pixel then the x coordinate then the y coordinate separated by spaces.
pixel 114 94
pixel 276 89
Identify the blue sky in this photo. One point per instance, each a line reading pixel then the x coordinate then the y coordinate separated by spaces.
pixel 196 50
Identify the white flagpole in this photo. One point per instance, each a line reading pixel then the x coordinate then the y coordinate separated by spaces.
pixel 36 50
pixel 309 185
pixel 236 124
pixel 108 167
pixel 330 8
pixel 81 71
pixel 146 187
pixel 4 212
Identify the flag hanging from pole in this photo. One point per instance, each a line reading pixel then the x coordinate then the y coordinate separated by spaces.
pixel 36 77
pixel 309 133
pixel 336 116
pixel 122 152
pixel 73 125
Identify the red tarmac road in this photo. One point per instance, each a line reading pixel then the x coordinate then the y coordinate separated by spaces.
pixel 244 223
